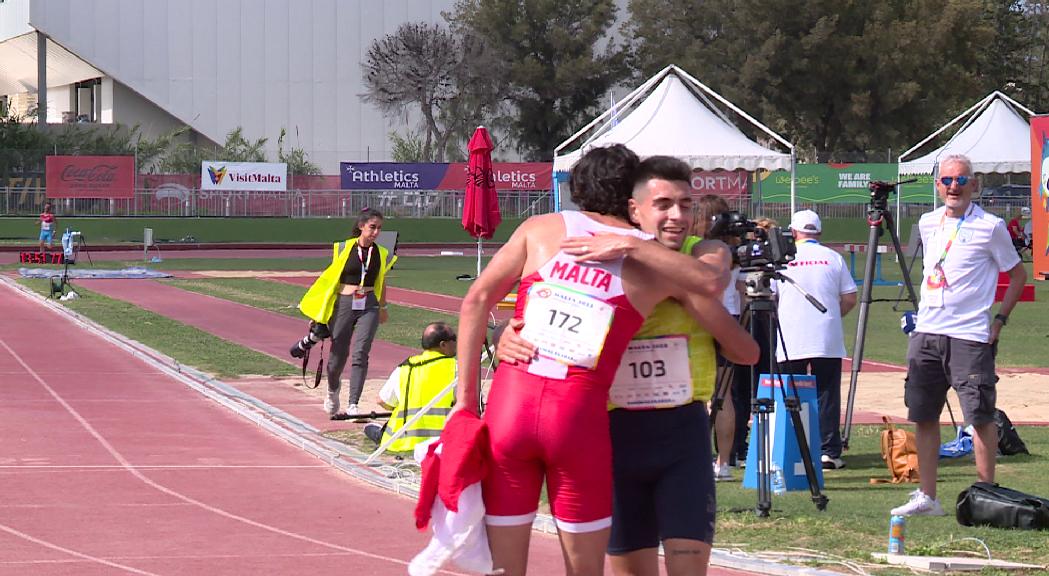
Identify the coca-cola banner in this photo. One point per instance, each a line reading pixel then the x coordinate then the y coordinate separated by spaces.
pixel 418 176
pixel 90 176
pixel 248 176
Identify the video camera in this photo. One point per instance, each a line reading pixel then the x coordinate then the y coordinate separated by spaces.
pixel 759 249
pixel 317 333
pixel 880 194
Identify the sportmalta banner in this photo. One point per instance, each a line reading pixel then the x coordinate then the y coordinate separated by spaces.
pixel 441 176
pixel 1040 192
pixel 845 183
pixel 247 176
pixel 90 176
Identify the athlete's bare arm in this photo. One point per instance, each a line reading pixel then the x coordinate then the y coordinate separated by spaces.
pixel 668 266
pixel 737 345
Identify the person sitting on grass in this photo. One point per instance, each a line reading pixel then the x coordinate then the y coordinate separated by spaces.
pixel 413 385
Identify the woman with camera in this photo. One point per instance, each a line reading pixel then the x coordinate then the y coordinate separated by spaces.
pixel 349 298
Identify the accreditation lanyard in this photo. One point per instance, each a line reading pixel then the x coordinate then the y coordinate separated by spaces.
pixel 938 279
pixel 365 263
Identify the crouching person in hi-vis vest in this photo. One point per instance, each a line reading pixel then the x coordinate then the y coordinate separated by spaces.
pixel 414 383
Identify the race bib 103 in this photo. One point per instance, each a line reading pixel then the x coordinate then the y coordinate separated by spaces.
pixel 654 373
pixel 566 326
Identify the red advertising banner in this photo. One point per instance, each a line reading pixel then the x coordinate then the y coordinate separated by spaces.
pixel 90 177
pixel 729 184
pixel 1040 193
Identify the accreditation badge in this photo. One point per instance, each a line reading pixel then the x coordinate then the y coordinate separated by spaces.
pixel 566 326
pixel 654 373
pixel 359 302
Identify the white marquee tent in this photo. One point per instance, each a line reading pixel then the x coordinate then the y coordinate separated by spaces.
pixel 995 136
pixel 674 114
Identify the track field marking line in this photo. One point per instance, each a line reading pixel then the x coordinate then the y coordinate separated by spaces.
pixel 81 555
pixel 149 482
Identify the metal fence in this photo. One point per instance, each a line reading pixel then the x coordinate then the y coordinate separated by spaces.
pixel 184 202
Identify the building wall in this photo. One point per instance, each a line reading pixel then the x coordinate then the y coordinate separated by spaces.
pixel 14 18
pixel 262 65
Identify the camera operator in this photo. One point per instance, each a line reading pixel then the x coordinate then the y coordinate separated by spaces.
pixel 812 340
pixel 954 342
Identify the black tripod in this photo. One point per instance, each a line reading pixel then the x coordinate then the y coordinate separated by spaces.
pixel 760 313
pixel 878 214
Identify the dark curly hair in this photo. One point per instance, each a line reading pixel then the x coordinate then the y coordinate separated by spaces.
pixel 603 180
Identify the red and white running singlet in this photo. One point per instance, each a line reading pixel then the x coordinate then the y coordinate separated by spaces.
pixel 549 417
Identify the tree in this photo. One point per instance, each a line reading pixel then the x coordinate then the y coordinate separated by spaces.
pixel 547 56
pixel 428 68
pixel 296 158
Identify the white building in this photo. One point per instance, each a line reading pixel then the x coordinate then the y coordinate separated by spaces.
pixel 212 65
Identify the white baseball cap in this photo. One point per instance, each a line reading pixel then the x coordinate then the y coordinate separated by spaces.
pixel 806 221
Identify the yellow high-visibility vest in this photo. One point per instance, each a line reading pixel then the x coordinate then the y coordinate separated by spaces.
pixel 319 301
pixel 421 378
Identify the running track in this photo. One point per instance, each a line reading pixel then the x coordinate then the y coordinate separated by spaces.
pixel 110 467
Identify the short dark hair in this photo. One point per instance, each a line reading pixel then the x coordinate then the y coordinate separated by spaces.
pixel 710 205
pixel 435 333
pixel 365 215
pixel 662 168
pixel 603 180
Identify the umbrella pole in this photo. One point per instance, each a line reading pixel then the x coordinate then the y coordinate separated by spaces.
pixel 478 257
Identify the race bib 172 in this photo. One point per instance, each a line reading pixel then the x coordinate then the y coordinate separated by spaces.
pixel 565 325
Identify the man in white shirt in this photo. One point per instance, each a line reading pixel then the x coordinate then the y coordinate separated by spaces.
pixel 954 342
pixel 813 340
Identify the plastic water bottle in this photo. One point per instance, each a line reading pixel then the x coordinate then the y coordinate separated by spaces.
pixel 778 484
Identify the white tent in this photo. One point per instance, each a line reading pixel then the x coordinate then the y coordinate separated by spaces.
pixel 674 114
pixel 996 137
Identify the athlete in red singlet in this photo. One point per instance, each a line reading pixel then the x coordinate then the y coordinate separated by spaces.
pixel 549 418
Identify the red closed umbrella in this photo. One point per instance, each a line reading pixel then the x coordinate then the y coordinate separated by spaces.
pixel 481 206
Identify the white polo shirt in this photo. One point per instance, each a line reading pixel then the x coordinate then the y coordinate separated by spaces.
pixel 808 333
pixel 981 249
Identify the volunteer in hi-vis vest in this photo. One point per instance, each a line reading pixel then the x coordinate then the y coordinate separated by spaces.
pixel 414 384
pixel 349 297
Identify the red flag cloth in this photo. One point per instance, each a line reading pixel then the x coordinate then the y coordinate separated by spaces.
pixel 481 206
pixel 463 461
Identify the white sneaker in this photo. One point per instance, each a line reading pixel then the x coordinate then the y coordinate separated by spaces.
pixel 351 409
pixel 919 505
pixel 331 405
pixel 829 463
pixel 722 473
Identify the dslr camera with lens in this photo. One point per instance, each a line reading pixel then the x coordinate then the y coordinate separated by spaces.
pixel 759 249
pixel 317 333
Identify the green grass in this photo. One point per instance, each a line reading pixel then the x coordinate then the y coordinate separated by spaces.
pixel 856 521
pixel 435 274
pixel 404 326
pixel 186 344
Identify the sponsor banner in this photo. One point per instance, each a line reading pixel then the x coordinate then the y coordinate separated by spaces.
pixel 262 176
pixel 844 183
pixel 90 176
pixel 730 185
pixel 438 176
pixel 1040 193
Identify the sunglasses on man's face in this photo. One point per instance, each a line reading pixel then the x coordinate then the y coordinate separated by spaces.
pixel 948 180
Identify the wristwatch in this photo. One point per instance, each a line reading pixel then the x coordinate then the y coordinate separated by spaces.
pixel 1004 319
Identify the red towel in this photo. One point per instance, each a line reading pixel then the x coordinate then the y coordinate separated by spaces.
pixel 463 461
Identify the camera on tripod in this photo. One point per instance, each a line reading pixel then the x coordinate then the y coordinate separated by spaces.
pixel 317 333
pixel 759 248
pixel 880 194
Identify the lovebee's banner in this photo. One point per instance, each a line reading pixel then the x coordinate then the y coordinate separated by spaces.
pixel 441 176
pixel 845 183
pixel 248 176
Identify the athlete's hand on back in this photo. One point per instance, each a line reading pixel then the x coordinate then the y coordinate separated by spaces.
pixel 599 247
pixel 511 347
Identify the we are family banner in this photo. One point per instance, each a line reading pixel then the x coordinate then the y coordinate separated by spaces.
pixel 441 176
pixel 90 176
pixel 837 183
pixel 1040 192
pixel 248 176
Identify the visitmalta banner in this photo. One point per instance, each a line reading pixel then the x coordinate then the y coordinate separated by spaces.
pixel 247 176
pixel 441 176
pixel 90 176
pixel 1040 193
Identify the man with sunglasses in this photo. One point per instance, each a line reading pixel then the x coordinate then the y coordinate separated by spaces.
pixel 955 340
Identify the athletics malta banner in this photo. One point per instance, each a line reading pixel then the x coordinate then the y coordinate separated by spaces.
pixel 441 176
pixel 246 176
pixel 1040 193
pixel 90 176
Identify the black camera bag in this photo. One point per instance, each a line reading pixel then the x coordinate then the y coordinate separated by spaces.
pixel 986 504
pixel 1009 441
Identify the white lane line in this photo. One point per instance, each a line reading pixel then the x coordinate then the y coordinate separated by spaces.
pixel 145 480
pixel 58 548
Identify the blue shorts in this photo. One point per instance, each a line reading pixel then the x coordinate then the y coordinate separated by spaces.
pixel 47 236
pixel 664 477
